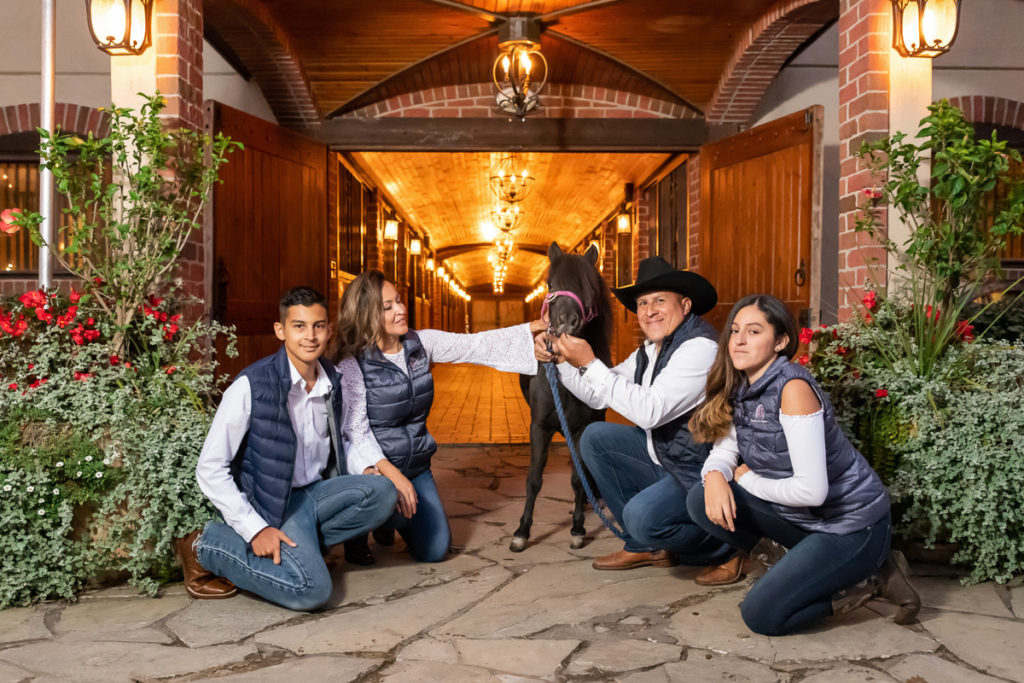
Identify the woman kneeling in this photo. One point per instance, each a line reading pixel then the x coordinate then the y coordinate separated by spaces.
pixel 802 483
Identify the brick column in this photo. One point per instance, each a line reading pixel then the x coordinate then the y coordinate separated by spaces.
pixel 864 52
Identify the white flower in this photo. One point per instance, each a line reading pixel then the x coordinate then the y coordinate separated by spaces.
pixel 99 474
pixel 30 489
pixel 7 487
pixel 42 512
pixel 60 463
pixel 88 458
pixel 56 491
pixel 78 473
pixel 106 461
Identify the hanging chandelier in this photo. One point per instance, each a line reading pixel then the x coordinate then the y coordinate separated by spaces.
pixel 505 217
pixel 511 181
pixel 520 71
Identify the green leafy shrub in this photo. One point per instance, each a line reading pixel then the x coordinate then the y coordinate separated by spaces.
pixel 98 439
pixel 106 393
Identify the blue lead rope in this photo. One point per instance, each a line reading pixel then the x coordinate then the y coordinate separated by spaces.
pixel 552 373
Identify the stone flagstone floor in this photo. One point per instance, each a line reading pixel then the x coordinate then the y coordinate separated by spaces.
pixel 487 614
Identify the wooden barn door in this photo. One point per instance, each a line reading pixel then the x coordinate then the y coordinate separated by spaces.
pixel 760 222
pixel 270 228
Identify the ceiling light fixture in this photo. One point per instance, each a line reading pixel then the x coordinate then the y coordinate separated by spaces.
pixel 520 71
pixel 511 181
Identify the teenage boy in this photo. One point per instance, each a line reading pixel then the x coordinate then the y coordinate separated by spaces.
pixel 645 471
pixel 273 465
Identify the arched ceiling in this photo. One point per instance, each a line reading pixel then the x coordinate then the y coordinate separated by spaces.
pixel 449 195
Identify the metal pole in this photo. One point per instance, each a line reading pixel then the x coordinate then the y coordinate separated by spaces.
pixel 46 107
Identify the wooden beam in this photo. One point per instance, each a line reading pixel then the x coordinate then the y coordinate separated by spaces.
pixel 532 135
pixel 455 250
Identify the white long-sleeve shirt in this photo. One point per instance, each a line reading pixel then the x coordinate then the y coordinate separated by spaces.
pixel 308 414
pixel 677 389
pixel 509 349
pixel 805 439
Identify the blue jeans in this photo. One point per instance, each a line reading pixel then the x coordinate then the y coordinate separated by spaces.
pixel 648 502
pixel 318 516
pixel 797 591
pixel 426 533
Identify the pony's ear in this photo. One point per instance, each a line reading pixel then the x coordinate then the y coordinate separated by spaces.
pixel 554 251
pixel 591 254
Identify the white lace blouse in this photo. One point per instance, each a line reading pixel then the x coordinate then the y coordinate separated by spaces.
pixel 509 349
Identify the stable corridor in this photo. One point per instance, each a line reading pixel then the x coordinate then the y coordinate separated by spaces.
pixel 477 405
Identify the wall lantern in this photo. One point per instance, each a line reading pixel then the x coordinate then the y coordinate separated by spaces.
pixel 120 27
pixel 391 230
pixel 430 264
pixel 624 221
pixel 441 272
pixel 924 28
pixel 520 71
pixel 415 247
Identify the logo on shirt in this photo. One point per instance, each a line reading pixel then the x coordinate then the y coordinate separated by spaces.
pixel 759 415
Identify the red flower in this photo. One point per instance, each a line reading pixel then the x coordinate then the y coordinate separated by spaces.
pixel 806 335
pixel 804 359
pixel 114 360
pixel 928 313
pixel 965 330
pixel 7 218
pixel 870 301
pixel 841 350
pixel 127 363
pixel 161 316
pixel 44 315
pixel 98 281
pixel 169 331
pixel 91 335
pixel 90 321
pixel 881 393
pixel 31 365
pixel 155 301
pixel 176 317
pixel 75 296
pixel 38 383
pixel 868 318
pixel 82 375
pixel 33 299
pixel 12 386
pixel 170 370
pixel 872 194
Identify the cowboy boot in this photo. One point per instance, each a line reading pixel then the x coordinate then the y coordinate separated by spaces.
pixel 857 595
pixel 200 583
pixel 895 587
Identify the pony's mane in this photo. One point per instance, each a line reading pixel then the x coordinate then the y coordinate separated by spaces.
pixel 574 273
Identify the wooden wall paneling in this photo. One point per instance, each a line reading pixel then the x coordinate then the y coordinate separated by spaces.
pixel 760 201
pixel 270 227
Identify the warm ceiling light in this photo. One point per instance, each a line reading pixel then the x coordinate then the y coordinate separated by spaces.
pixel 520 70
pixel 924 28
pixel 441 272
pixel 120 27
pixel 391 230
pixel 511 181
pixel 430 264
pixel 506 216
pixel 415 247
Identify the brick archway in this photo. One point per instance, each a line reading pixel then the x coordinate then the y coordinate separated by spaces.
pixel 560 101
pixel 70 118
pixel 760 54
pixel 251 32
pixel 997 111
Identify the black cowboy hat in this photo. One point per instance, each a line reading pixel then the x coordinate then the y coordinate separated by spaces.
pixel 655 274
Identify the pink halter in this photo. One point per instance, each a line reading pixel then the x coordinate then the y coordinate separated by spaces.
pixel 587 315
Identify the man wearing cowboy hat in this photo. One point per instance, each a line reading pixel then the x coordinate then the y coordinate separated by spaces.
pixel 645 471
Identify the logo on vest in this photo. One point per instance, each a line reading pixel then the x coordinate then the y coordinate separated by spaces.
pixel 759 415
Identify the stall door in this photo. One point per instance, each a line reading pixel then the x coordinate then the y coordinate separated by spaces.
pixel 270 228
pixel 760 222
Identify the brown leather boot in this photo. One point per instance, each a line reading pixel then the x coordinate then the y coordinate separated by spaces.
pixel 199 583
pixel 723 574
pixel 894 586
pixel 624 559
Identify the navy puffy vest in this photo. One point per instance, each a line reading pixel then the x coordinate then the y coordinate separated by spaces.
pixel 856 496
pixel 678 453
pixel 265 462
pixel 398 404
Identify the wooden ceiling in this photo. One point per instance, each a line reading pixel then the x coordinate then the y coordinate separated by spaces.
pixel 354 53
pixel 449 196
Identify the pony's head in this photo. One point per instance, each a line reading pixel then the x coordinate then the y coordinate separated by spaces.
pixel 577 299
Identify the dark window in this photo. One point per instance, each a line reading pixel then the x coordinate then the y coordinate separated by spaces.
pixel 350 222
pixel 671 221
